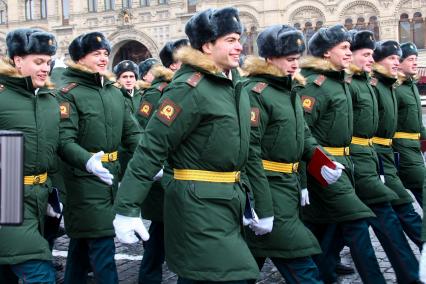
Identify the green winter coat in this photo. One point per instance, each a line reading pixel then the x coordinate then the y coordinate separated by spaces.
pixel 383 85
pixel 368 185
pixel 37 116
pixel 328 112
pixel 202 123
pixel 411 165
pixel 279 134
pixel 95 118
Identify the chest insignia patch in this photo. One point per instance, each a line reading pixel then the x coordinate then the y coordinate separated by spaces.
pixel 308 103
pixel 65 110
pixel 145 109
pixel 254 116
pixel 168 111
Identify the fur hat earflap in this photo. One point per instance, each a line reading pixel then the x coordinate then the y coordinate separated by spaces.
pixel 86 43
pixel 326 38
pixel 386 48
pixel 30 41
pixel 280 40
pixel 362 39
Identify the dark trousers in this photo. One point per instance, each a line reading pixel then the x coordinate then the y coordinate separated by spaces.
pixel 32 271
pixel 388 230
pixel 294 270
pixel 411 222
pixel 96 254
pixel 189 281
pixel 353 234
pixel 151 270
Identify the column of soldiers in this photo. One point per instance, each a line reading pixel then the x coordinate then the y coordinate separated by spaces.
pixel 216 161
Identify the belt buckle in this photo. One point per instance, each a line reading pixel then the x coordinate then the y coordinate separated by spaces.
pixel 370 142
pixel 110 157
pixel 237 176
pixel 295 167
pixel 346 151
pixel 36 179
pixel 390 142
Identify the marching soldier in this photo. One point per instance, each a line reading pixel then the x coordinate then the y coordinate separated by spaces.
pixel 145 73
pixel 202 128
pixel 387 55
pixel 335 211
pixel 369 188
pixel 94 122
pixel 28 104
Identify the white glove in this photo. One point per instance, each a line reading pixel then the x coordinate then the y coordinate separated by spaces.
pixel 94 166
pixel 263 226
pixel 255 219
pixel 304 197
pixel 126 229
pixel 422 264
pixel 382 178
pixel 52 213
pixel 158 176
pixel 330 175
pixel 60 63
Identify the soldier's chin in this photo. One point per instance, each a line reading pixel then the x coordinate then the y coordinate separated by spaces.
pixel 39 83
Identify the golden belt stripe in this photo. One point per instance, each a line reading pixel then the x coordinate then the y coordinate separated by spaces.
pixel 36 179
pixel 382 141
pixel 287 168
pixel 406 135
pixel 209 176
pixel 338 151
pixel 109 157
pixel 362 141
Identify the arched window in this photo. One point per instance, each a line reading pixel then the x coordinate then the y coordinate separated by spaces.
pixel 373 25
pixel 249 41
pixel 65 12
pixel 418 30
pixel 349 24
pixel 412 29
pixel 360 24
pixel 318 25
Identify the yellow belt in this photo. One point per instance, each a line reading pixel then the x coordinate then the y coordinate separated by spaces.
pixel 37 179
pixel 382 141
pixel 406 135
pixel 109 157
pixel 210 176
pixel 287 168
pixel 337 151
pixel 362 141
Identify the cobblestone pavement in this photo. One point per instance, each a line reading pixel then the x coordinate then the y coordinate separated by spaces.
pixel 128 260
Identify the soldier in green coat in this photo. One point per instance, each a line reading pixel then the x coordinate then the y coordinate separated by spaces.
pixel 94 122
pixel 410 127
pixel 202 129
pixel 368 185
pixel 280 138
pixel 335 211
pixel 28 104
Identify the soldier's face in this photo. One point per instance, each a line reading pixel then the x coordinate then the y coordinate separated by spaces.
pixel 363 58
pixel 127 80
pixel 409 65
pixel 340 55
pixel 391 64
pixel 37 66
pixel 149 77
pixel 225 51
pixel 96 61
pixel 287 64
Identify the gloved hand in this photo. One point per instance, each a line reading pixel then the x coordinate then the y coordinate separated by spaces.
pixel 255 219
pixel 158 176
pixel 263 226
pixel 94 166
pixel 330 175
pixel 126 229
pixel 382 178
pixel 422 264
pixel 304 197
pixel 52 213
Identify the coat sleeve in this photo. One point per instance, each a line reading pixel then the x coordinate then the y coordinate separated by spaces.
pixel 254 168
pixel 158 141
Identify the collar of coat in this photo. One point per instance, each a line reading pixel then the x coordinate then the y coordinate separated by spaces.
pixel 384 75
pixel 406 79
pixel 8 70
pixel 318 64
pixel 80 67
pixel 191 56
pixel 354 70
pixel 163 73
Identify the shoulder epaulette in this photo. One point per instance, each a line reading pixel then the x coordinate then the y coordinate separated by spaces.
pixel 319 80
pixel 68 88
pixel 194 79
pixel 373 81
pixel 259 87
pixel 162 86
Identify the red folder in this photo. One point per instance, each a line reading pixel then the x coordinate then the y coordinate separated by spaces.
pixel 319 159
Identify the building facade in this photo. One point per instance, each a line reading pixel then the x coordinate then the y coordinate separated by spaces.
pixel 138 29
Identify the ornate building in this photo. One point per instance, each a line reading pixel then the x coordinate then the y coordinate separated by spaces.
pixel 138 29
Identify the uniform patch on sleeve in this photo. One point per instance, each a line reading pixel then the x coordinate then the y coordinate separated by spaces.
pixel 194 79
pixel 65 110
pixel 145 109
pixel 168 111
pixel 69 87
pixel 320 80
pixel 254 116
pixel 308 103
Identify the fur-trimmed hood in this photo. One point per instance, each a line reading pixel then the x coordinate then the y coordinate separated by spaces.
pixel 7 69
pixel 107 74
pixel 159 71
pixel 318 63
pixel 191 56
pixel 254 65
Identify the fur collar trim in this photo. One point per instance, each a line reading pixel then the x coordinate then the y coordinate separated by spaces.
pixel 382 70
pixel 108 75
pixel 191 56
pixel 160 71
pixel 318 63
pixel 141 84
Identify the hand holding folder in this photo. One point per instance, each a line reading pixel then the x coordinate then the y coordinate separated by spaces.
pixel 323 175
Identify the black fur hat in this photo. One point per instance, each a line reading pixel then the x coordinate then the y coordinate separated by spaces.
pixel 86 43
pixel 124 66
pixel 385 49
pixel 167 52
pixel 326 38
pixel 362 39
pixel 408 49
pixel 30 41
pixel 146 65
pixel 211 24
pixel 280 40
